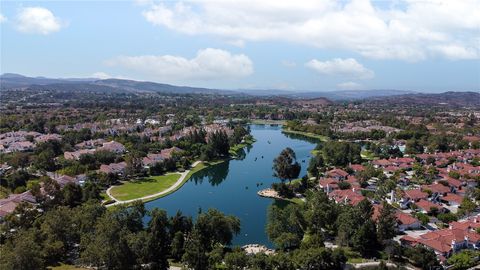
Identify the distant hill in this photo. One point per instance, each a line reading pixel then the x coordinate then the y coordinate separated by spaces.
pixel 10 80
pixel 332 95
pixel 313 102
pixel 455 99
pixel 14 81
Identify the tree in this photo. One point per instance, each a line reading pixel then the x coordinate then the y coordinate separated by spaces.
pixel 319 259
pixel 365 239
pixel 218 141
pixel 236 260
pixel 422 257
pixel 134 164
pixel 21 253
pixel 464 259
pixel 177 246
pixel 467 206
pixel 72 195
pixel 285 226
pixel 158 240
pixel 387 222
pixel 341 153
pixel 195 255
pixel 108 247
pixel 285 166
pixel 315 163
pixel 321 214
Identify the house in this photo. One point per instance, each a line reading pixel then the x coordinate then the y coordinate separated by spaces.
pixel 114 168
pixel 350 196
pixel 337 174
pixel 427 206
pixel 404 221
pixel 407 222
pixel 452 199
pixel 168 153
pixel 445 242
pixel 76 154
pixel 90 144
pixel 48 137
pixel 8 205
pixel 415 194
pixel 436 188
pixel 114 147
pixel 151 159
pixel 357 167
pixel 328 184
pixel 21 146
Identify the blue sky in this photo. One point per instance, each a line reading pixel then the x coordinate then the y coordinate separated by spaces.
pixel 291 45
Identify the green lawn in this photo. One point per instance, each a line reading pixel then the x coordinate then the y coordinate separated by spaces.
pixel 66 267
pixel 366 154
pixel 307 134
pixel 267 122
pixel 234 149
pixel 147 186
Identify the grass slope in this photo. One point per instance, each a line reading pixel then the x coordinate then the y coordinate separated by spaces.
pixel 143 187
pixel 307 134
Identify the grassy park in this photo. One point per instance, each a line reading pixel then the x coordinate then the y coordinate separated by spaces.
pixel 307 134
pixel 144 187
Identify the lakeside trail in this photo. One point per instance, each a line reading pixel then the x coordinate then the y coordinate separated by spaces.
pixel 166 191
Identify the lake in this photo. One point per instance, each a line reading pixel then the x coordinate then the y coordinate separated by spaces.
pixel 232 186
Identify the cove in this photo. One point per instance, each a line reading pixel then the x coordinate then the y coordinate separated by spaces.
pixel 231 186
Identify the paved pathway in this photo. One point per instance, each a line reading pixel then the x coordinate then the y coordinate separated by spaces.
pixel 173 187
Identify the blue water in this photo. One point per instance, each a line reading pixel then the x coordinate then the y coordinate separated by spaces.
pixel 232 188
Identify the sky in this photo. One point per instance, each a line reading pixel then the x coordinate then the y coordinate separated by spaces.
pixel 304 45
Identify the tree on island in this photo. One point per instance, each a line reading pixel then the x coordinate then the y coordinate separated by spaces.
pixel 285 166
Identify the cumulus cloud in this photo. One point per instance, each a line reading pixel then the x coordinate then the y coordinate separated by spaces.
pixel 341 67
pixel 2 18
pixel 208 64
pixel 37 20
pixel 103 76
pixel 349 86
pixel 410 30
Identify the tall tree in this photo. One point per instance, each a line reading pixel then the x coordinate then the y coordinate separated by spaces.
pixel 158 240
pixel 387 222
pixel 285 166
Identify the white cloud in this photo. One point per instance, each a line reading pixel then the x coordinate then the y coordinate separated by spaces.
pixel 349 86
pixel 101 75
pixel 2 18
pixel 341 67
pixel 208 64
pixel 237 43
pixel 37 20
pixel 412 30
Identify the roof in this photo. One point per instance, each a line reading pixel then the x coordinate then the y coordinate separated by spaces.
pixel 451 197
pixel 415 194
pixel 427 205
pixel 437 188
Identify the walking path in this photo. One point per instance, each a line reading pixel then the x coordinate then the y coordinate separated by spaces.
pixel 166 191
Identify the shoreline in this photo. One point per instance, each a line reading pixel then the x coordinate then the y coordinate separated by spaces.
pixel 307 134
pixel 184 177
pixel 272 194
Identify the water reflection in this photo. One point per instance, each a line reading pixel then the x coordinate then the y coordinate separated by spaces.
pixel 215 175
pixel 300 137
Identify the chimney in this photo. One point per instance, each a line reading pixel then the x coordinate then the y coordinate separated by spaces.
pixel 453 244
